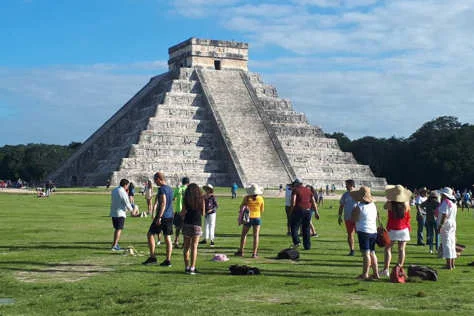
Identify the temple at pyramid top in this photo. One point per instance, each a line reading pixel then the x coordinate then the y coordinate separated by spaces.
pixel 218 55
pixel 210 119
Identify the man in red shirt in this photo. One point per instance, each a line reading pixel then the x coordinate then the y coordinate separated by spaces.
pixel 302 200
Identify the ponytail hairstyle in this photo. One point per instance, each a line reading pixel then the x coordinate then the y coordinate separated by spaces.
pixel 398 209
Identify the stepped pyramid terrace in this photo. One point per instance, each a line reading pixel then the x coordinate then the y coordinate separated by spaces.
pixel 212 120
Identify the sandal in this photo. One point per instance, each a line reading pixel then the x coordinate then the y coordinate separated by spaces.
pixel 362 277
pixel 239 253
pixel 374 277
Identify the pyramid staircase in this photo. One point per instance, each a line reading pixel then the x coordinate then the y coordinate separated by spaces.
pixel 215 127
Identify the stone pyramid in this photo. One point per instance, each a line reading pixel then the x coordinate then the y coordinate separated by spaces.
pixel 212 120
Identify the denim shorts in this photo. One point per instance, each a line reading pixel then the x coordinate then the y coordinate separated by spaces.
pixel 118 222
pixel 367 241
pixel 254 222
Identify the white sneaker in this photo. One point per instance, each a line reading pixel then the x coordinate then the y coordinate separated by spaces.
pixel 384 273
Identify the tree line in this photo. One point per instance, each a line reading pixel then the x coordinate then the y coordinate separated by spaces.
pixel 439 153
pixel 32 162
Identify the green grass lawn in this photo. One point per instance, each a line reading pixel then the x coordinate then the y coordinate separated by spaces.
pixel 55 258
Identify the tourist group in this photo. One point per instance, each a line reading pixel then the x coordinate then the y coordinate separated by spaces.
pixel 436 212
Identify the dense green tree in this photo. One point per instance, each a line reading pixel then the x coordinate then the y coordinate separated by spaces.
pixel 32 162
pixel 439 153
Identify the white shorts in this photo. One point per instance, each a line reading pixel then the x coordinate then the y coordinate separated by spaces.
pixel 399 235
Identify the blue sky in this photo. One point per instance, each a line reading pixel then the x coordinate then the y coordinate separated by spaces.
pixel 361 67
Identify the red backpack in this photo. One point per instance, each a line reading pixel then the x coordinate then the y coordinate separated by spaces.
pixel 398 275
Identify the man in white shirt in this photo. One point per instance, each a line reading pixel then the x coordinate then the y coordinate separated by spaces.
pixel 118 208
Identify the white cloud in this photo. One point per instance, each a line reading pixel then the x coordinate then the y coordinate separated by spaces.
pixel 337 3
pixel 64 104
pixel 399 63
pixel 200 8
pixel 396 64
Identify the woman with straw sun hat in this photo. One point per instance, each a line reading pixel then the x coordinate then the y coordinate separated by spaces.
pixel 254 201
pixel 364 215
pixel 447 225
pixel 398 225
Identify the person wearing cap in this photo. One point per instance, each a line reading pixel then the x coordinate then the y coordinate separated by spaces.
pixel 210 202
pixel 364 216
pixel 163 221
pixel 254 201
pixel 346 204
pixel 178 194
pixel 302 204
pixel 420 215
pixel 447 225
pixel 431 205
pixel 398 224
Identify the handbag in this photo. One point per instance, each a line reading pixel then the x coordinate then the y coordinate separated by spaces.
pixel 244 215
pixel 383 239
pixel 398 275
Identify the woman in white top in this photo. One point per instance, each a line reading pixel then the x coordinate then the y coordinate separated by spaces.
pixel 364 215
pixel 447 225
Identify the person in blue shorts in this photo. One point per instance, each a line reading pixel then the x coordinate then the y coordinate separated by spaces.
pixel 364 215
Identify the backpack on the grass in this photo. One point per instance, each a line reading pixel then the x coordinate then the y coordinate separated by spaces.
pixel 289 253
pixel 423 272
pixel 398 275
pixel 243 270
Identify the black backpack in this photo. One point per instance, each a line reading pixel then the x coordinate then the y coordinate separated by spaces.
pixel 289 253
pixel 243 270
pixel 423 272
